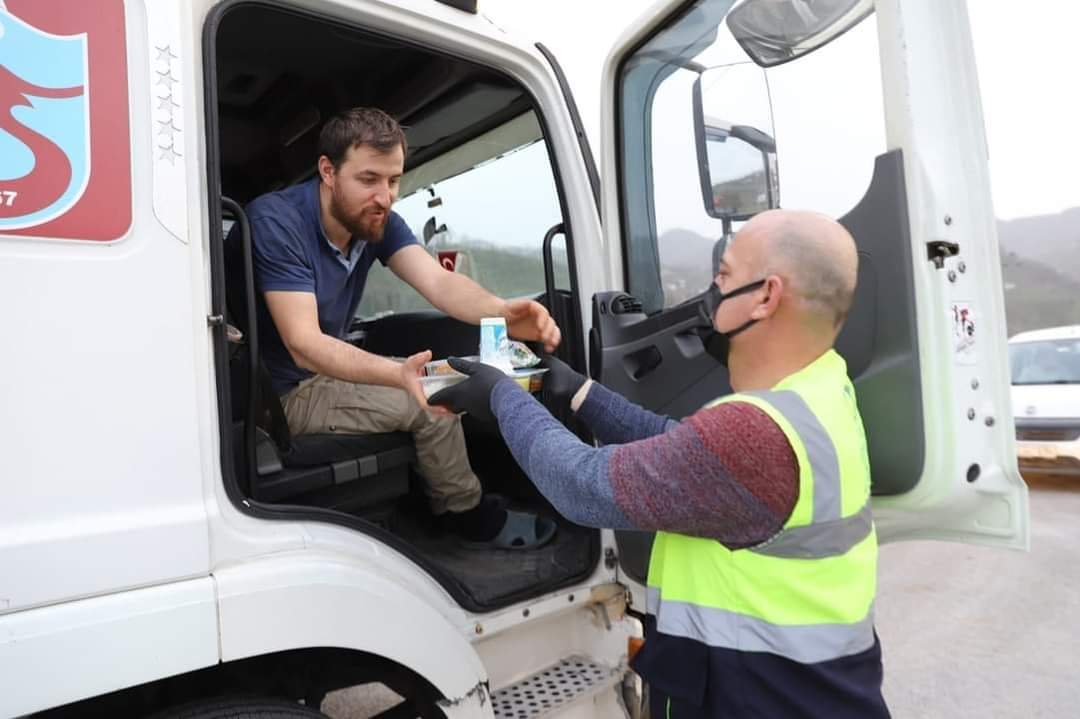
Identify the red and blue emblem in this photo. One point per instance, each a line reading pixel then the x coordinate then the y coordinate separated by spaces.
pixel 64 142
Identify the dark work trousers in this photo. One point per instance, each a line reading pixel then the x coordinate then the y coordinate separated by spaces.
pixel 688 679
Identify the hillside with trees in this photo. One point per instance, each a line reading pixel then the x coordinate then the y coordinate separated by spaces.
pixel 1040 259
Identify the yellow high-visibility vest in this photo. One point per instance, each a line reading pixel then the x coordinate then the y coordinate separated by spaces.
pixel 807 593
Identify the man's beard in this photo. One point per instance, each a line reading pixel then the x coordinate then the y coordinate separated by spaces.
pixel 360 225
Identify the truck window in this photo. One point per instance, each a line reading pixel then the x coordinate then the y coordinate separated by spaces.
pixel 489 221
pixel 824 111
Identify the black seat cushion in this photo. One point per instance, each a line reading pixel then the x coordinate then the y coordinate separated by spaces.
pixel 351 473
pixel 311 450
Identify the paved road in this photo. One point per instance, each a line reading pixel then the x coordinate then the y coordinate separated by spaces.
pixel 974 632
pixel 965 631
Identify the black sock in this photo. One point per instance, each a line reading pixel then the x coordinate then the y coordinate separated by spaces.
pixel 479 524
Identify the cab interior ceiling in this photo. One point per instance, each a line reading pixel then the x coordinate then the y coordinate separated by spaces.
pixel 281 74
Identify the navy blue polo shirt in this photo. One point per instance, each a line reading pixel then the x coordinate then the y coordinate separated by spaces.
pixel 292 253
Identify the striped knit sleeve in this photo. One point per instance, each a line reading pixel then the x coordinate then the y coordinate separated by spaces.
pixel 613 419
pixel 726 473
pixel 571 474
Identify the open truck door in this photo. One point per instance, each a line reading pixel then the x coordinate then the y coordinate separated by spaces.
pixel 925 340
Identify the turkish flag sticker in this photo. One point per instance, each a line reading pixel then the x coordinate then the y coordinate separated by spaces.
pixel 448 259
pixel 65 148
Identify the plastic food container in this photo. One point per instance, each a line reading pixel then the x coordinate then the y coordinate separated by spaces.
pixel 431 385
pixel 530 380
pixel 440 375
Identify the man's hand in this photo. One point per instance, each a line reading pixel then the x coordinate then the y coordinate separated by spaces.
pixel 529 320
pixel 561 382
pixel 472 395
pixel 411 371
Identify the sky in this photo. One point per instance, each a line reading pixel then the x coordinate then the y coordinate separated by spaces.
pixel 1025 63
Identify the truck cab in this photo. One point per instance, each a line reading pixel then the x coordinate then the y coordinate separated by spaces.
pixel 168 546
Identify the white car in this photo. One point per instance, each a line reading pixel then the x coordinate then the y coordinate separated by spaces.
pixel 1046 399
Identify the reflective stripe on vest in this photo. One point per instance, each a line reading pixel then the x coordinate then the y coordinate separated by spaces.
pixel 807 593
pixel 807 643
pixel 829 534
pixel 816 541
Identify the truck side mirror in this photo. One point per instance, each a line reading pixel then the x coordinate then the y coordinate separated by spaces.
pixel 773 32
pixel 737 163
pixel 431 229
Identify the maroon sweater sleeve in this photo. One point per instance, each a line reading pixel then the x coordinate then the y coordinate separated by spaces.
pixel 726 473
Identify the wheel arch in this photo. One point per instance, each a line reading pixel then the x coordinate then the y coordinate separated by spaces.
pixel 287 603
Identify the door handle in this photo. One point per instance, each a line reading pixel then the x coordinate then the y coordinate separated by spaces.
pixel 642 362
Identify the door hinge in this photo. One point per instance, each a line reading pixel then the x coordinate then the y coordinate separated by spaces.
pixel 938 250
pixel 215 320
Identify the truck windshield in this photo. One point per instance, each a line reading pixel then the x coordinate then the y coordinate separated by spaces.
pixel 1046 362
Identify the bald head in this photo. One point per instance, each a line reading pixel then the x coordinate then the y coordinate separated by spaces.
pixel 814 254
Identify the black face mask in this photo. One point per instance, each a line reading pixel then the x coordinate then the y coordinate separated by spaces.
pixel 718 344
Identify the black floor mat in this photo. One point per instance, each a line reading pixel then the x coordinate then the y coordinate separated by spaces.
pixel 496 577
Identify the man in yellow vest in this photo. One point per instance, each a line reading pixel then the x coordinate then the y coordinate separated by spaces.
pixel 763 573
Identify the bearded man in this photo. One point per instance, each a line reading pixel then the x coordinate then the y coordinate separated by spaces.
pixel 313 246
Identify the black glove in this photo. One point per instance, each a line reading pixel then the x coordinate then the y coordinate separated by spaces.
pixel 472 395
pixel 561 382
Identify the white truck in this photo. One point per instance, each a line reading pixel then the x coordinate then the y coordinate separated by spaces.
pixel 166 546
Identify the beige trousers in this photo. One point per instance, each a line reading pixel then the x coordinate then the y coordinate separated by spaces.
pixel 322 404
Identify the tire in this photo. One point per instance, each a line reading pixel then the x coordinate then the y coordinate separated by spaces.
pixel 239 708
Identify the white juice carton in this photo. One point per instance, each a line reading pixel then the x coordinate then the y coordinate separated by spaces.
pixel 494 343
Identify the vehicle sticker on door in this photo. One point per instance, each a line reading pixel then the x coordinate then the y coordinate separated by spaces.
pixel 448 259
pixel 963 324
pixel 65 154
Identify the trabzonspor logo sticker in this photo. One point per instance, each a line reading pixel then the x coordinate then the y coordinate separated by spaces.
pixel 64 141
pixel 45 123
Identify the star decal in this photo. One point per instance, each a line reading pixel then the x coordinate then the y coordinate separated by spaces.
pixel 166 105
pixel 168 129
pixel 168 153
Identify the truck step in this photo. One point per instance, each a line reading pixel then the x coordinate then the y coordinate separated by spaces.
pixel 554 689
